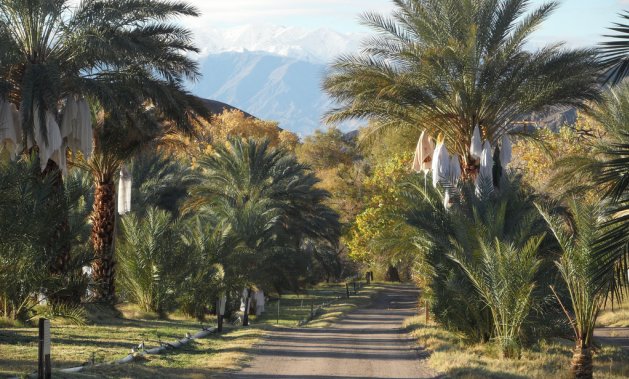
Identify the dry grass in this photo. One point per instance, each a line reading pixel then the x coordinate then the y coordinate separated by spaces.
pixel 616 315
pixel 112 334
pixel 201 359
pixel 450 355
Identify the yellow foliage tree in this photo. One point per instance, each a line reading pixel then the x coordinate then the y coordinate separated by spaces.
pixel 229 124
pixel 374 224
pixel 536 158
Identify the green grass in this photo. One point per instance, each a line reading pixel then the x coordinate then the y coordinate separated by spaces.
pixel 111 338
pixel 450 355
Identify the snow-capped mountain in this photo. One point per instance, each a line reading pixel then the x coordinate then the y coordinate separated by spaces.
pixel 268 86
pixel 272 72
pixel 319 45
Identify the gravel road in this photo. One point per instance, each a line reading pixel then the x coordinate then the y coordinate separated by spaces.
pixel 367 343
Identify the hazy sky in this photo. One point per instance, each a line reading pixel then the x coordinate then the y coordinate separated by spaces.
pixel 578 22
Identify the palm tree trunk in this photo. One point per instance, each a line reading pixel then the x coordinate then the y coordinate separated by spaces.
pixel 102 239
pixel 581 365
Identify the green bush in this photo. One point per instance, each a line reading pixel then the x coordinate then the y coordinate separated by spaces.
pixel 150 260
pixel 483 259
pixel 31 210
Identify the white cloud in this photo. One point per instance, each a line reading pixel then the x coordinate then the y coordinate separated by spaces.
pixel 221 13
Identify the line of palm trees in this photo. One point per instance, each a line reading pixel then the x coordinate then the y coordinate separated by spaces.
pixel 447 67
pixel 114 71
pixel 128 60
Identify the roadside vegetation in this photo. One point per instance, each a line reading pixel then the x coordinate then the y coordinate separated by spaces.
pixel 109 336
pixel 615 315
pixel 455 356
pixel 128 210
pixel 516 236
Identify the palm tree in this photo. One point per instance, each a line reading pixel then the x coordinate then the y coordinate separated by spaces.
pixel 269 202
pixel 606 173
pixel 206 244
pixel 159 180
pixel 467 252
pixel 577 239
pixel 122 56
pixel 504 276
pixel 28 206
pixel 615 52
pixel 151 260
pixel 447 66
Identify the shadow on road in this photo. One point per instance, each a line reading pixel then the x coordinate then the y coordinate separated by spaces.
pixel 367 343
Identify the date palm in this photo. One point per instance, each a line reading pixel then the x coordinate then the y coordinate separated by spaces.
pixel 123 56
pixel 606 173
pixel 270 203
pixel 448 65
pixel 470 251
pixel 577 239
pixel 615 52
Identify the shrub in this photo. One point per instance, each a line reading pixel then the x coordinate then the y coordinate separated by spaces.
pixel 150 260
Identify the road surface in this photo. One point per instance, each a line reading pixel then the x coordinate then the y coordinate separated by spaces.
pixel 612 336
pixel 367 343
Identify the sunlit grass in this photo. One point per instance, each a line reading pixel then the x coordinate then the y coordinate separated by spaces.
pixel 449 354
pixel 110 338
pixel 73 345
pixel 615 315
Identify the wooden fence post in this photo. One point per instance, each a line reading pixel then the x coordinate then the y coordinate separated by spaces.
pixel 220 311
pixel 245 317
pixel 427 312
pixel 44 364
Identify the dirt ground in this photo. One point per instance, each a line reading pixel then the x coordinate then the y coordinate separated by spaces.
pixel 367 343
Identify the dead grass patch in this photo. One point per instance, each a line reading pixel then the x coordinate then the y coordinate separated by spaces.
pixel 451 355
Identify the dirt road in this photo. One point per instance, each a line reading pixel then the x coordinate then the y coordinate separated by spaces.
pixel 612 336
pixel 367 343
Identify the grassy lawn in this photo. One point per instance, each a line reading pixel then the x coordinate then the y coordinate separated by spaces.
pixel 451 356
pixel 111 338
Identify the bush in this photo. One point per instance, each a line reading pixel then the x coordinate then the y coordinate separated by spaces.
pixel 31 211
pixel 204 244
pixel 482 259
pixel 150 260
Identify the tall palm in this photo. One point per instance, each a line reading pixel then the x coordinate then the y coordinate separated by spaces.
pixel 121 55
pixel 577 239
pixel 615 52
pixel 448 65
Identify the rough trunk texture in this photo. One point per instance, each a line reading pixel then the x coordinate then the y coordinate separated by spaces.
pixel 581 364
pixel 102 238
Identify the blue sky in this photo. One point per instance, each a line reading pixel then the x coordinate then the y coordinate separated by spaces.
pixel 577 22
